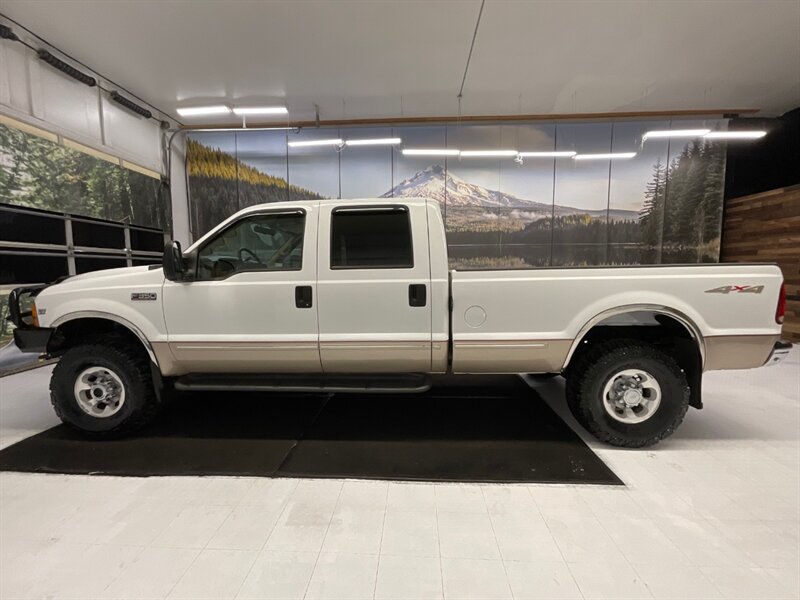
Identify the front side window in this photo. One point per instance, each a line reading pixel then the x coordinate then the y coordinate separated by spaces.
pixel 266 242
pixel 371 239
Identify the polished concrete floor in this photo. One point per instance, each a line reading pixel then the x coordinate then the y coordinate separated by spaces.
pixel 714 512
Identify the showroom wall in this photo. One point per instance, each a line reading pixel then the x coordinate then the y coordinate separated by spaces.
pixel 80 175
pixel 35 93
pixel 662 206
pixel 762 205
pixel 765 228
pixel 67 209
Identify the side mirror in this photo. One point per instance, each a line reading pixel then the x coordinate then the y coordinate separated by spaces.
pixel 174 267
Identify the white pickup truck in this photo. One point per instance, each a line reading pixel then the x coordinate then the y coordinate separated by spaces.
pixel 356 295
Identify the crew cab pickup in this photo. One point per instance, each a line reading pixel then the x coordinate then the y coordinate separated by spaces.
pixel 356 295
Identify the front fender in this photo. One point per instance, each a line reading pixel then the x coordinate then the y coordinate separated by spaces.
pixel 86 314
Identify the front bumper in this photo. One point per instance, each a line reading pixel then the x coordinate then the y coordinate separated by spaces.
pixel 33 339
pixel 780 350
pixel 27 336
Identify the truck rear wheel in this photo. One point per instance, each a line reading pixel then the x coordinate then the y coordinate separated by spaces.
pixel 104 390
pixel 628 393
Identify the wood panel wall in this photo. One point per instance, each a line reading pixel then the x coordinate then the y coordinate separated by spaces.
pixel 765 227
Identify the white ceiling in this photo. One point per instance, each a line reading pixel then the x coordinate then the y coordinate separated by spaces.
pixel 390 58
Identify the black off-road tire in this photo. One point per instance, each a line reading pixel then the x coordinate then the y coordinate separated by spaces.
pixel 574 378
pixel 594 369
pixel 132 366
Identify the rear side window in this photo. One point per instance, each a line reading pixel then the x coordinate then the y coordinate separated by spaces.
pixel 377 238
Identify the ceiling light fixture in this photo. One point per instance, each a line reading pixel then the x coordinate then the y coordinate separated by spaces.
pixel 260 110
pixel 330 142
pixel 199 111
pixel 606 156
pixel 735 135
pixel 374 142
pixel 558 154
pixel 675 133
pixel 430 152
pixel 486 153
pixel 214 129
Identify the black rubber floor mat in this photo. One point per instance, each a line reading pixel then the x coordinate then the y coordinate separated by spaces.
pixel 492 429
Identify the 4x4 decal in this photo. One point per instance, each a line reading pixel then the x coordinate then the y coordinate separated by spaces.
pixel 734 289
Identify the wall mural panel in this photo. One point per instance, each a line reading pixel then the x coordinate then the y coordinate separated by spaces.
pixel 628 189
pixel 662 205
pixel 366 171
pixel 40 173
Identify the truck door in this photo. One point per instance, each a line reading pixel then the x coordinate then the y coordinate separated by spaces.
pixel 251 304
pixel 374 289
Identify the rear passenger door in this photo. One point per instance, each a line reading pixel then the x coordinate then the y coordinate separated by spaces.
pixel 374 289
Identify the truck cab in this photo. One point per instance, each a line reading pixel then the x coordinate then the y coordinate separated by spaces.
pixel 323 287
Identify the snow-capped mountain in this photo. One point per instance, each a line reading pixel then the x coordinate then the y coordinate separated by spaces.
pixel 433 182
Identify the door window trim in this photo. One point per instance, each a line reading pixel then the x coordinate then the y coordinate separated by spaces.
pixel 275 211
pixel 370 208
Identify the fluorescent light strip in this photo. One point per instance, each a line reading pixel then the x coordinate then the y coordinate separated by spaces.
pixel 198 111
pixel 675 133
pixel 486 153
pixel 559 154
pixel 207 129
pixel 260 110
pixel 607 156
pixel 430 152
pixel 374 142
pixel 735 135
pixel 331 142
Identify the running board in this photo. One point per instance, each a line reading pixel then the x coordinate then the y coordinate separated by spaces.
pixel 298 382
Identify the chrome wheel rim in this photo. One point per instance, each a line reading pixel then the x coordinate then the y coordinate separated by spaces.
pixel 631 396
pixel 99 392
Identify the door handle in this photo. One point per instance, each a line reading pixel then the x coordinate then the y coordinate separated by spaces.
pixel 303 296
pixel 417 294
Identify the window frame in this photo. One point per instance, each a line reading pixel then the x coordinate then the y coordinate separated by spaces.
pixel 278 211
pixel 371 208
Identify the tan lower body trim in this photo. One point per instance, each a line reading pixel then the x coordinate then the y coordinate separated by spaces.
pixel 510 356
pixel 738 351
pixel 376 356
pixel 178 358
pixel 439 350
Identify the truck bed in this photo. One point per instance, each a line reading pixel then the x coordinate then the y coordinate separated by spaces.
pixel 531 319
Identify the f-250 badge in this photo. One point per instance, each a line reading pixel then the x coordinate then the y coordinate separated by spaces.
pixel 737 289
pixel 144 296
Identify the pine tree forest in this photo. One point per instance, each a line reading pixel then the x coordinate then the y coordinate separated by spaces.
pixel 681 216
pixel 38 173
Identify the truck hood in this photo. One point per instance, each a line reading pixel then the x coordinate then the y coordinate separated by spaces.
pixel 110 278
pixel 131 293
pixel 122 272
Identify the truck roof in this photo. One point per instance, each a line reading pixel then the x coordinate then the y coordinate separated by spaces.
pixel 404 200
pixel 300 203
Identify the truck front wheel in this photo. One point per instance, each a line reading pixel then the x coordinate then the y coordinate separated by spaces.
pixel 104 390
pixel 629 394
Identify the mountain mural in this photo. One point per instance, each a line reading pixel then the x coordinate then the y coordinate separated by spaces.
pixel 437 184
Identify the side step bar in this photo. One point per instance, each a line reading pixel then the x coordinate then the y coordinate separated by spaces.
pixel 301 382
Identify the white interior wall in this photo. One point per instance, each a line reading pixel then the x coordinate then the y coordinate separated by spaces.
pixel 34 92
